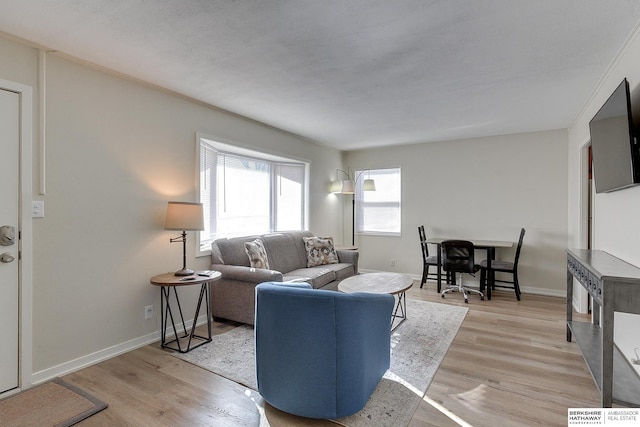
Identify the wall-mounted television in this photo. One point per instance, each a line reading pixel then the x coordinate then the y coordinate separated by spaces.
pixel 616 155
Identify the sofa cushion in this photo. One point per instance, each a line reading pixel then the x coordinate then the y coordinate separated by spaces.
pixel 231 251
pixel 342 270
pixel 318 276
pixel 286 250
pixel 257 254
pixel 320 251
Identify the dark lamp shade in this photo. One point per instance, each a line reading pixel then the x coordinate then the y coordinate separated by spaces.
pixel 184 216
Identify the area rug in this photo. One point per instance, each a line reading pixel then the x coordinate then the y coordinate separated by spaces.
pixel 55 403
pixel 418 347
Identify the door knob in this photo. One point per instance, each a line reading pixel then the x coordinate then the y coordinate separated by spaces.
pixel 6 258
pixel 7 235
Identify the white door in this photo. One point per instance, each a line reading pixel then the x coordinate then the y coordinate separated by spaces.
pixel 9 203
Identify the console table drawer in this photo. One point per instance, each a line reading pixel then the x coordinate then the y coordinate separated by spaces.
pixel 591 282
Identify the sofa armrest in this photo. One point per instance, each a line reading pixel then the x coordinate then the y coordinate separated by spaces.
pixel 247 274
pixel 350 257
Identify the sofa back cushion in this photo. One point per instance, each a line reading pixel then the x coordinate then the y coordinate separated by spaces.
pixel 231 251
pixel 285 250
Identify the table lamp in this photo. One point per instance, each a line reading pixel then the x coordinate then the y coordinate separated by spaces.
pixel 184 216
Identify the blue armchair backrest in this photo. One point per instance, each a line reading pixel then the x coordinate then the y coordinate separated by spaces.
pixel 320 354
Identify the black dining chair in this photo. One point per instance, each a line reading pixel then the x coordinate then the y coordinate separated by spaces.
pixel 458 257
pixel 427 261
pixel 504 267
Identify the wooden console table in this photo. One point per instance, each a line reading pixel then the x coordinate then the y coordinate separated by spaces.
pixel 614 285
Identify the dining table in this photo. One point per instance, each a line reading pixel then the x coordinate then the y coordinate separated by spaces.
pixel 489 245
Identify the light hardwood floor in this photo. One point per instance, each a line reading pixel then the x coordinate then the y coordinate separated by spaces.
pixel 509 365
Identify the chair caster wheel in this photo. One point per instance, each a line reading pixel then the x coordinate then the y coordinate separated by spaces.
pixel 481 298
pixel 466 301
pixel 442 295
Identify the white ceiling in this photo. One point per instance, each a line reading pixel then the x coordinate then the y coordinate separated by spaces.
pixel 351 73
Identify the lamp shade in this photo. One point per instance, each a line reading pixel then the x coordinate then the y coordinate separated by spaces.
pixel 336 186
pixel 369 185
pixel 184 216
pixel 348 187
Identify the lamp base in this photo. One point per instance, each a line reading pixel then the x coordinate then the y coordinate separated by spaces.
pixel 184 272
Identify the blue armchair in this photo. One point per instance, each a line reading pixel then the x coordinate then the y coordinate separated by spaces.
pixel 320 354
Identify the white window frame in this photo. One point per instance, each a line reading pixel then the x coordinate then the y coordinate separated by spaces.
pixel 234 148
pixel 361 200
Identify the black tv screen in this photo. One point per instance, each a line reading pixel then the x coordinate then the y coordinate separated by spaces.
pixel 615 152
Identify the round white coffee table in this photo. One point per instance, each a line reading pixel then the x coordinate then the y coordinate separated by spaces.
pixel 382 283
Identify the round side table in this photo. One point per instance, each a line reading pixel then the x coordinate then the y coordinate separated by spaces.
pixel 168 281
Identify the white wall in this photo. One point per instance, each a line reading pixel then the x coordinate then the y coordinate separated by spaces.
pixel 484 188
pixel 116 152
pixel 616 225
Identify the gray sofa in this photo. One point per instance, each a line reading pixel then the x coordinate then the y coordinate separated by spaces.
pixel 233 295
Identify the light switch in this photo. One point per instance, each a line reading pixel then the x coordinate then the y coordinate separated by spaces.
pixel 37 209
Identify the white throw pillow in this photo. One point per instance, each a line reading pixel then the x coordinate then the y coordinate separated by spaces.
pixel 257 254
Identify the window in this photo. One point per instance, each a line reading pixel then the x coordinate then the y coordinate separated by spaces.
pixel 378 212
pixel 246 192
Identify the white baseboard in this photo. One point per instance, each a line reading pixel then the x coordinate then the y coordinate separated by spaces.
pixel 523 289
pixel 102 355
